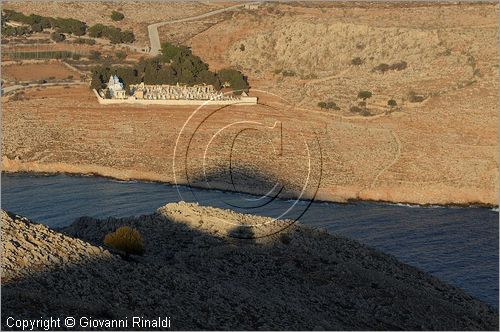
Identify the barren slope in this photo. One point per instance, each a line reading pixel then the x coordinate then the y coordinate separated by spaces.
pixel 204 279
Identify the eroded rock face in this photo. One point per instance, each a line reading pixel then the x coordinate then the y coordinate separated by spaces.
pixel 29 249
pixel 195 271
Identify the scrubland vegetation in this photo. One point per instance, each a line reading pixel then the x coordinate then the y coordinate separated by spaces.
pixel 36 23
pixel 176 64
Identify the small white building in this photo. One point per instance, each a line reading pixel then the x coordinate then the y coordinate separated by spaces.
pixel 115 88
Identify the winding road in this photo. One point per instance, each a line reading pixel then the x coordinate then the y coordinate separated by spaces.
pixel 154 37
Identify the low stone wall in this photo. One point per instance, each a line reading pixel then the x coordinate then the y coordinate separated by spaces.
pixel 176 102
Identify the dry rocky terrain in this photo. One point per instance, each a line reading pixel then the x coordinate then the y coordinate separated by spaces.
pixel 442 149
pixel 203 268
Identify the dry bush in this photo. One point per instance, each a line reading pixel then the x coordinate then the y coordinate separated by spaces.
pixel 126 239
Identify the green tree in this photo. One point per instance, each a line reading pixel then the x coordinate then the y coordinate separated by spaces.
pixel 208 77
pixel 364 94
pixel 234 79
pixel 69 25
pixel 96 31
pixel 127 37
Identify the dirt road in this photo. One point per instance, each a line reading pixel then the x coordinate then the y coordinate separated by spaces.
pixel 154 38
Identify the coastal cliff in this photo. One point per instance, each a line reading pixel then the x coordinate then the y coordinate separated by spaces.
pixel 209 268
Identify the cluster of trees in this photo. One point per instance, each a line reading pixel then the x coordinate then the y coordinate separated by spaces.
pixel 38 23
pixel 176 64
pixel 115 35
pixel 9 31
pixel 72 26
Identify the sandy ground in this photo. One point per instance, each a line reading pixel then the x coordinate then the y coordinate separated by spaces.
pixel 203 268
pixel 439 151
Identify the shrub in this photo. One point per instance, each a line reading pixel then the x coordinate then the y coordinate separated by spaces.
pixel 383 67
pixel 242 47
pixel 357 61
pixel 413 97
pixel 392 103
pixel 88 41
pixel 288 73
pixel 399 65
pixel 37 27
pixel 355 109
pixel 309 76
pixel 285 238
pixel 94 55
pixel 126 239
pixel 57 37
pixel 117 16
pixel 76 56
pixel 332 106
pixel 364 94
pixel 120 55
pixel 18 96
pixel 322 104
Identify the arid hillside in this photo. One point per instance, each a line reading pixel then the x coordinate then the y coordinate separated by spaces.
pixel 424 128
pixel 199 269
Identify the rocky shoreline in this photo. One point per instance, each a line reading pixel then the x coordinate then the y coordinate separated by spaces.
pixel 209 269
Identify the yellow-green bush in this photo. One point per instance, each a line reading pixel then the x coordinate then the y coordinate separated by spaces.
pixel 126 239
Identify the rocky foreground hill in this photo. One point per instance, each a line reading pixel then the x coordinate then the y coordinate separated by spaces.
pixel 210 269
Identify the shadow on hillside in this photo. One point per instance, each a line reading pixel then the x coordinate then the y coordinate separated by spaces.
pixel 268 190
pixel 307 280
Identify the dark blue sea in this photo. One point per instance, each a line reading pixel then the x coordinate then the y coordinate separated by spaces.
pixel 457 245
